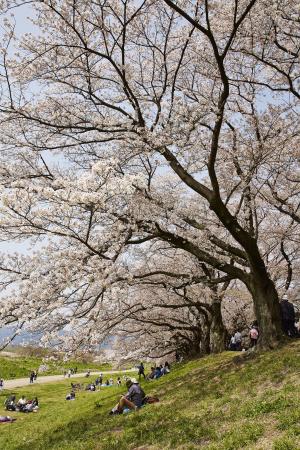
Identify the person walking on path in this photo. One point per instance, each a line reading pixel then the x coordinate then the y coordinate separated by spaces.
pixel 1 384
pixel 31 377
pixel 20 382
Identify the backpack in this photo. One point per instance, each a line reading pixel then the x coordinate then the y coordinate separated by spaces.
pixel 150 400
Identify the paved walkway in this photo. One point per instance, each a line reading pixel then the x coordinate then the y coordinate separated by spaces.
pixel 19 382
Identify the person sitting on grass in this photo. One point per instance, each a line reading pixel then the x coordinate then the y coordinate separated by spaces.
pixel 167 368
pixel 4 419
pixel 70 396
pixel 157 373
pixel 21 403
pixel 32 405
pixel 132 400
pixel 151 375
pixel 10 403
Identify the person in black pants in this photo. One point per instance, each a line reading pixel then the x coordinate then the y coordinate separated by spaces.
pixel 141 370
pixel 288 317
pixel 31 378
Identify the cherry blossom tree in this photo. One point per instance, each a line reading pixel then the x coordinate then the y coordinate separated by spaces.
pixel 164 130
pixel 180 309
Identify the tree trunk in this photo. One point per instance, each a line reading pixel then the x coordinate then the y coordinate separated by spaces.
pixel 205 341
pixel 218 332
pixel 191 351
pixel 262 288
pixel 267 310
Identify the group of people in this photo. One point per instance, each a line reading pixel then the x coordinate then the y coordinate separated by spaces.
pixel 159 371
pixel 69 372
pixel 236 340
pixel 156 372
pixel 288 322
pixel 93 386
pixel 22 405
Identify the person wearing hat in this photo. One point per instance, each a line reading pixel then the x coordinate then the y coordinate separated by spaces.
pixel 287 316
pixel 132 400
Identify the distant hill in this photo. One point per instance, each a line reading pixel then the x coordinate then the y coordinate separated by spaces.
pixel 32 338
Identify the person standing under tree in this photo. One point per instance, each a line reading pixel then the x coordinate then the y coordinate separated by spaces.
pixel 141 370
pixel 238 341
pixel 288 316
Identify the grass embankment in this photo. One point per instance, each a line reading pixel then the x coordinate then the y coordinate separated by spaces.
pixel 20 366
pixel 215 403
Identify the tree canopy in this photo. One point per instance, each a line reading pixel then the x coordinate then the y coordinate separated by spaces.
pixel 149 140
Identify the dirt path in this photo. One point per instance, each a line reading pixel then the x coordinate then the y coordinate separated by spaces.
pixel 19 382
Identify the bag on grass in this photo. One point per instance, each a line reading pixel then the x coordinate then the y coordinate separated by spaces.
pixel 149 400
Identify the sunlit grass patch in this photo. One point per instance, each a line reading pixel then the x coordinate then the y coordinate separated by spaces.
pixel 216 403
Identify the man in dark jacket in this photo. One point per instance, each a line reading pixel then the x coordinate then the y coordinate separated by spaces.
pixel 287 316
pixel 141 370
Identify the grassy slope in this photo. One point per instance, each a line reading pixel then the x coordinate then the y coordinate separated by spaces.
pixel 19 367
pixel 214 403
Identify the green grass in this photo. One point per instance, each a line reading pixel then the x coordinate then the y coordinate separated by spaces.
pixel 216 403
pixel 19 367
